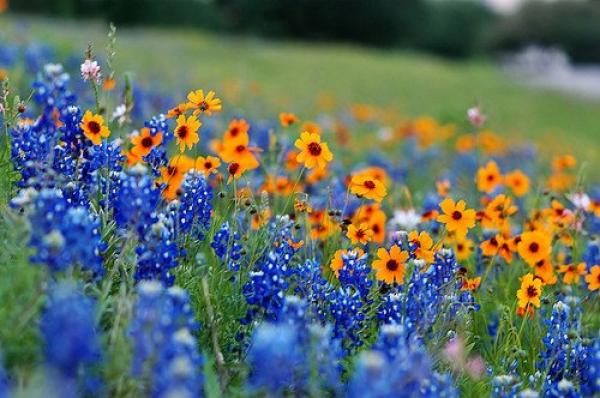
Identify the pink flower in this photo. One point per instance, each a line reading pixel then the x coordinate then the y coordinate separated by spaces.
pixel 456 356
pixel 476 117
pixel 90 70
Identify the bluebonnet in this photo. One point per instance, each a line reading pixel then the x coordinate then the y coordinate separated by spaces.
pixel 71 340
pixel 345 306
pixel 226 246
pixel 356 272
pixel 158 158
pixel 165 354
pixel 195 205
pixel 505 386
pixel 157 252
pixel 64 236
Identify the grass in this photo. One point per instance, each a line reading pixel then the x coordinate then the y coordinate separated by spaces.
pixel 286 75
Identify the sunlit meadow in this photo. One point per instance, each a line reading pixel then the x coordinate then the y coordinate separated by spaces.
pixel 168 241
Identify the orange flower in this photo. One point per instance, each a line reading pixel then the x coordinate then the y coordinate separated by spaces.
pixel 530 291
pixel 465 143
pixel 235 171
pixel 290 160
pixel 177 111
pixel 93 128
pixel 287 119
pixel 237 150
pixel 564 162
pixel 463 248
pixel 443 186
pixel 186 132
pixel 423 246
pixel 208 165
pixel 471 284
pixel 145 141
pixel 518 182
pixel 311 128
pixel 572 273
pixel 363 234
pixel 368 187
pixel 534 246
pixel 491 246
pixel 173 175
pixel 457 218
pixel 496 213
pixel 109 84
pixel 377 224
pixel 132 158
pixel 593 278
pixel 488 177
pixel 236 129
pixel 545 271
pixel 313 152
pixel 260 218
pixel 390 266
pixel 200 103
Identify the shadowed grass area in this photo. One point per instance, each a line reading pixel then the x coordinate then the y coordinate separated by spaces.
pixel 267 77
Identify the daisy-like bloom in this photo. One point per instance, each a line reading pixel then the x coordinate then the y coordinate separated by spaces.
pixel 311 127
pixel 471 284
pixel 186 132
pixel 491 247
pixel 456 217
pixel 132 158
pixel 90 70
pixel 377 224
pixel 365 186
pixel 109 84
pixel 313 152
pixel 465 143
pixel 93 128
pixel 518 182
pixel 443 186
pixel 145 141
pixel 172 176
pixel 208 165
pixel 390 266
pixel 476 117
pixel 423 246
pixel 287 119
pixel 406 219
pixel 463 248
pixel 237 150
pixel 206 104
pixel 497 211
pixel 363 234
pixel 337 262
pixel 236 129
pixel 290 160
pixel 530 291
pixel 177 111
pixel 564 162
pixel 260 218
pixel 488 177
pixel 235 170
pixel 534 246
pixel 120 114
pixel 545 271
pixel 572 273
pixel 593 278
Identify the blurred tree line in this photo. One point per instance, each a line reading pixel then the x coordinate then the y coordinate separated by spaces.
pixel 453 28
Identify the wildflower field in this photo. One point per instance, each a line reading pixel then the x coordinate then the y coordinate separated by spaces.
pixel 165 235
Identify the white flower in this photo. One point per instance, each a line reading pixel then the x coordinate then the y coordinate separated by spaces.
pixel 120 114
pixel 580 200
pixel 405 219
pixel 90 70
pixel 476 117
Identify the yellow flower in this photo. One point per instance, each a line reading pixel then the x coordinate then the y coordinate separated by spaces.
pixel 593 278
pixel 206 104
pixel 337 262
pixel 488 177
pixel 313 152
pixel 186 132
pixel 390 266
pixel 518 182
pixel 530 291
pixel 208 165
pixel 572 273
pixel 534 246
pixel 93 128
pixel 457 218
pixel 145 141
pixel 368 187
pixel 363 234
pixel 287 119
pixel 423 246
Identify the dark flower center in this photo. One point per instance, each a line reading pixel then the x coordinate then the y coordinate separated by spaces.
pixel 171 170
pixel 314 148
pixel 207 165
pixel 376 228
pixel 94 127
pixel 240 148
pixel 491 177
pixel 234 131
pixel 233 168
pixel 532 292
pixel 457 215
pixel 203 106
pixel 534 247
pixel 392 265
pixel 182 132
pixel 369 184
pixel 147 142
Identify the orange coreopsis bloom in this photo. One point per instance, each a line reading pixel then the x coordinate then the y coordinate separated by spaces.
pixel 534 246
pixel 109 84
pixel 593 278
pixel 377 224
pixel 260 218
pixel 132 158
pixel 545 271
pixel 564 162
pixel 423 246
pixel 172 176
pixel 208 165
pixel 237 150
pixel 572 273
pixel 177 111
pixel 93 128
pixel 337 262
pixel 497 211
pixel 363 234
pixel 311 127
pixel 457 217
pixel 443 186
pixel 390 266
pixel 313 152
pixel 290 160
pixel 236 129
pixel 368 187
pixel 235 171
pixel 518 182
pixel 463 248
pixel 205 104
pixel 287 119
pixel 465 143
pixel 491 247
pixel 488 177
pixel 530 291
pixel 316 175
pixel 145 141
pixel 471 284
pixel 186 132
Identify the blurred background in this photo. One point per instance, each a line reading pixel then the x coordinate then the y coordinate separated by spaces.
pixel 531 65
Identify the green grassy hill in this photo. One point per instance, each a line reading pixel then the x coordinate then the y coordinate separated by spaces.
pixel 275 76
